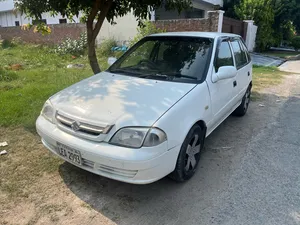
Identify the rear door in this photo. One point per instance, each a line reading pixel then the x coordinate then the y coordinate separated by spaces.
pixel 244 67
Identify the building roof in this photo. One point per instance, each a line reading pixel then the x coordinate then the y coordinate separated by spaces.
pixel 196 34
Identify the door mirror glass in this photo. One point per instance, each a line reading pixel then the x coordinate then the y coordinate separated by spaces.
pixel 225 72
pixel 111 60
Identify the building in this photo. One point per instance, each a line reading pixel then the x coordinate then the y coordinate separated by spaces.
pixel 126 27
pixel 10 18
pixel 200 9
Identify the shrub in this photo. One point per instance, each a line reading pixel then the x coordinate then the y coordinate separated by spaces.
pixel 16 41
pixel 147 29
pixel 6 44
pixel 74 47
pixel 106 46
pixel 7 76
pixel 296 42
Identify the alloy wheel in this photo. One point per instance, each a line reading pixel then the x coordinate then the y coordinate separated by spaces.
pixel 192 153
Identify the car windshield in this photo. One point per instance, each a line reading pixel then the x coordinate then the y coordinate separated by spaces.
pixel 183 59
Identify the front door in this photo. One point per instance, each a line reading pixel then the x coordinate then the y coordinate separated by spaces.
pixel 222 92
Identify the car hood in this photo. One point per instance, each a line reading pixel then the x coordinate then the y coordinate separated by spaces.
pixel 110 99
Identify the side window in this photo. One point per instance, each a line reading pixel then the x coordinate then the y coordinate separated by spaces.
pixel 245 50
pixel 224 57
pixel 239 54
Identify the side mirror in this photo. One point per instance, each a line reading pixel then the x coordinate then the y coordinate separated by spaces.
pixel 224 72
pixel 111 60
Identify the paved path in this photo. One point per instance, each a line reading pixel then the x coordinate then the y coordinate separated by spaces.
pixel 261 60
pixel 291 66
pixel 249 174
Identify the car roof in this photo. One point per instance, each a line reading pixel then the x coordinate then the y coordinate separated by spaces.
pixel 195 34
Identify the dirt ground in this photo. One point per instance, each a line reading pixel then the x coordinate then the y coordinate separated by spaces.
pixel 38 188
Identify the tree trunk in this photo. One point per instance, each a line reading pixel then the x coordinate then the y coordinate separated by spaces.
pixel 93 30
pixel 92 55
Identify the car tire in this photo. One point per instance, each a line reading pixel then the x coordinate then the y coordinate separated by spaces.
pixel 189 155
pixel 243 108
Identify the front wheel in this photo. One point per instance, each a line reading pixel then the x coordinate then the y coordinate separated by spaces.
pixel 189 155
pixel 243 108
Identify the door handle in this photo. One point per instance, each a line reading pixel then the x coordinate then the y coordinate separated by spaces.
pixel 248 74
pixel 234 83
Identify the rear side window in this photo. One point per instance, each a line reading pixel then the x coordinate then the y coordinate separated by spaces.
pixel 244 48
pixel 239 54
pixel 224 56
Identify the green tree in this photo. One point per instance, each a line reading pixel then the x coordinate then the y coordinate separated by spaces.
pixel 96 11
pixel 262 12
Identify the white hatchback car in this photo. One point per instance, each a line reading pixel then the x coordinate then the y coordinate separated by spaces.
pixel 147 116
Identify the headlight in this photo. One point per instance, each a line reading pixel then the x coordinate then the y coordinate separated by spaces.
pixel 138 137
pixel 48 111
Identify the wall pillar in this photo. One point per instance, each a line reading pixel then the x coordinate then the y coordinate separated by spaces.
pixel 216 20
pixel 250 35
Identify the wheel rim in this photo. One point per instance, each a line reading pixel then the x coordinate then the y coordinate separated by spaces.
pixel 192 153
pixel 247 100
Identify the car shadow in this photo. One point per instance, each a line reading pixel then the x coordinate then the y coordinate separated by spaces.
pixel 165 201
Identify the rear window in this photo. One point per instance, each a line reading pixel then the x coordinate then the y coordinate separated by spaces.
pixel 239 54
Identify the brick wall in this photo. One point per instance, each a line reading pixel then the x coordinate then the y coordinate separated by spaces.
pixel 59 33
pixel 209 24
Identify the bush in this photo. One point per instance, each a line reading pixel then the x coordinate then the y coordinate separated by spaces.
pixel 7 76
pixel 296 42
pixel 74 47
pixel 6 44
pixel 143 31
pixel 106 46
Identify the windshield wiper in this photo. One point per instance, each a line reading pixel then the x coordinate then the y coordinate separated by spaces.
pixel 124 71
pixel 178 75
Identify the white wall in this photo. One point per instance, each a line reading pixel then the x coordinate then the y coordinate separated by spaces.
pixel 7 19
pixel 124 30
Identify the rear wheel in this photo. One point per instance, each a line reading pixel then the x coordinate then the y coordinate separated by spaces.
pixel 189 155
pixel 243 108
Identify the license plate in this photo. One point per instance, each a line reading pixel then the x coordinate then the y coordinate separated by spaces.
pixel 69 153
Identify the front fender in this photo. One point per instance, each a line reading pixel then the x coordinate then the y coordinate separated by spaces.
pixel 178 120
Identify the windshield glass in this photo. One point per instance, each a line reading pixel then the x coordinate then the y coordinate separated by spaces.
pixel 169 58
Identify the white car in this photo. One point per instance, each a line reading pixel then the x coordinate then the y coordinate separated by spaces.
pixel 147 116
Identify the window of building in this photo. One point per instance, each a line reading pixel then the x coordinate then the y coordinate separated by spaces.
pixel 62 20
pixel 17 23
pixel 224 57
pixel 194 13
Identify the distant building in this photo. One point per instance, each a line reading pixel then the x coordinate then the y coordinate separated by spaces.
pixel 11 18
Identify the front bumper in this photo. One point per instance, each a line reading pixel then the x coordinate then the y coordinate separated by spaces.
pixel 137 166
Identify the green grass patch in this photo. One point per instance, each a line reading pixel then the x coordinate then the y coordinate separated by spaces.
pixel 264 77
pixel 44 73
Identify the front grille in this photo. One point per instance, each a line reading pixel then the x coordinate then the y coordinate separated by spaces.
pixel 88 163
pixel 80 127
pixel 118 172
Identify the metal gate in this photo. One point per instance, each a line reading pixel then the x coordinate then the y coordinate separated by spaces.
pixel 234 26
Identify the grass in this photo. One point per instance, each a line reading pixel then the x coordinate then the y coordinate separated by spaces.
pixel 42 74
pixel 264 77
pixel 282 54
